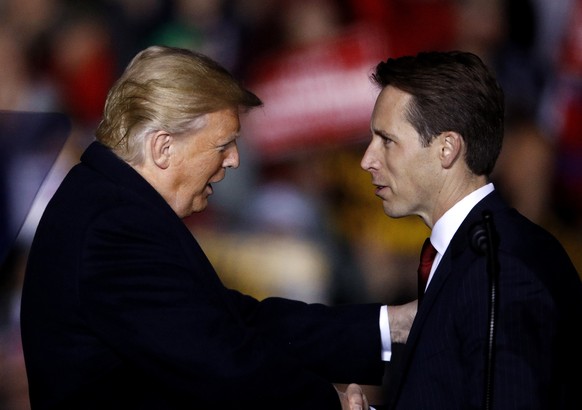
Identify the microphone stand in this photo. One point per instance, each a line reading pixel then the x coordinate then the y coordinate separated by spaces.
pixel 484 241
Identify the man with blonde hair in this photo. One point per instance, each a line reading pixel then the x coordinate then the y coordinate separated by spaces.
pixel 121 309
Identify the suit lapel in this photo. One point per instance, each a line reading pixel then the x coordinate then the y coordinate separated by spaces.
pixel 455 256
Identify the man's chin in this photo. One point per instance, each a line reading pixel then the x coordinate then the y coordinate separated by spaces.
pixel 391 212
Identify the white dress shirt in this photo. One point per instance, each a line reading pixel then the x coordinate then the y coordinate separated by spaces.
pixel 445 228
pixel 442 233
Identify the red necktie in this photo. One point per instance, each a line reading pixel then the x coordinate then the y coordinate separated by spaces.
pixel 426 257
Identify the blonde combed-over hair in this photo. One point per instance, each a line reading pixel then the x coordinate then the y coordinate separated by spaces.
pixel 169 89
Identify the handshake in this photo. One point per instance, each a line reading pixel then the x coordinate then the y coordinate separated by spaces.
pixel 353 398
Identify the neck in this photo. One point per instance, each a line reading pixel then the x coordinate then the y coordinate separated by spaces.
pixel 452 193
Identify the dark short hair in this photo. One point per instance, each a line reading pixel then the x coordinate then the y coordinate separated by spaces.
pixel 451 91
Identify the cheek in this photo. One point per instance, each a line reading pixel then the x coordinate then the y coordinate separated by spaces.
pixel 396 165
pixel 203 173
pixel 214 162
pixel 198 182
pixel 206 167
pixel 196 176
pixel 406 172
pixel 418 174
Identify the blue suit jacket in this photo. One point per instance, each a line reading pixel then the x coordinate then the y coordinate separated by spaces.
pixel 538 346
pixel 122 310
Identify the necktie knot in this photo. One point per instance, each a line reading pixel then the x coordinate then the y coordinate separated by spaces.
pixel 427 256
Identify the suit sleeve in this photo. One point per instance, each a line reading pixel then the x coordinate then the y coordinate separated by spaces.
pixel 317 335
pixel 149 293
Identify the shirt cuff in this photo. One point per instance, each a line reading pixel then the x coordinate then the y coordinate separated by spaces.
pixel 385 334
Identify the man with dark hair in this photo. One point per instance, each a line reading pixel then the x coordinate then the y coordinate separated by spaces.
pixel 496 323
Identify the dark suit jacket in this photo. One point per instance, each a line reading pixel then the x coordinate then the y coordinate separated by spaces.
pixel 122 310
pixel 538 345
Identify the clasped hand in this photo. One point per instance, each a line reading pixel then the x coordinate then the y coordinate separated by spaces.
pixel 353 398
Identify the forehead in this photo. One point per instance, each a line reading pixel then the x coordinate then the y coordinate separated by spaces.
pixel 391 102
pixel 227 117
pixel 389 114
pixel 223 123
pixel 389 117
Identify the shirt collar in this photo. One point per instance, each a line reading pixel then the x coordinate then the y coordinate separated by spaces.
pixel 444 229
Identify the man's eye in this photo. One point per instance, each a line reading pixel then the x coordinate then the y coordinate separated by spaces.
pixel 224 147
pixel 386 140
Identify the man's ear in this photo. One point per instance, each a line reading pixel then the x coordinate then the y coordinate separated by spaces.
pixel 451 148
pixel 159 146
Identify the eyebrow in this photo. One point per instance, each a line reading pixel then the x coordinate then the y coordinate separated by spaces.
pixel 231 138
pixel 382 133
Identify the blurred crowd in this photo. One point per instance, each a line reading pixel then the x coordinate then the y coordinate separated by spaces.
pixel 299 217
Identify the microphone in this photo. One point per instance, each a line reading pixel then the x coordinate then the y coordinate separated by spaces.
pixel 478 237
pixel 483 236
